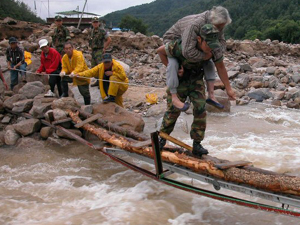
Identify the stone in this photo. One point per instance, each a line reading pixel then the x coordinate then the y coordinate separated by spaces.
pixel 116 114
pixel 64 135
pixel 1 106
pixel 8 103
pixel 57 142
pixel 258 95
pixel 271 70
pixel 22 106
pixel 65 103
pixel 58 114
pixel 27 142
pixel 39 110
pixel 232 74
pixel 242 82
pixel 276 102
pixel 27 127
pixel 4 44
pixel 6 120
pixel 11 137
pixel 46 132
pixel 256 84
pixel 278 95
pixel 273 82
pixel 87 108
pixel 292 105
pixel 157 109
pixel 9 21
pixel 32 89
pixel 296 77
pixel 245 68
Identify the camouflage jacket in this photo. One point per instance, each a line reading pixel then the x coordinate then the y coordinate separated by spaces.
pixel 174 48
pixel 60 36
pixel 97 38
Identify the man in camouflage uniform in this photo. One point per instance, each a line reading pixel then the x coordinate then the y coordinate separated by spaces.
pixel 61 36
pixel 98 42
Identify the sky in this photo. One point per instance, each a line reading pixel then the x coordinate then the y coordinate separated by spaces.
pixel 101 7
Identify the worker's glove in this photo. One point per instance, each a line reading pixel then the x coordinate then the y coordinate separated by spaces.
pixel 62 74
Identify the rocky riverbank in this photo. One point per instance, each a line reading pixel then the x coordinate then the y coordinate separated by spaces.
pixel 262 71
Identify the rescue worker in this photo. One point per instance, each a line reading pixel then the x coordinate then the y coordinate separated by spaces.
pixel 191 84
pixel 113 82
pixel 50 64
pixel 15 62
pixel 60 36
pixel 72 63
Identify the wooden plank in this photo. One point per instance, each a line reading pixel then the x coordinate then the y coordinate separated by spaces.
pixel 141 144
pixel 62 121
pixel 227 165
pixel 88 120
pixel 175 141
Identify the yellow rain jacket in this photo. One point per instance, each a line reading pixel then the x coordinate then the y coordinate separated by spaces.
pixel 76 65
pixel 27 57
pixel 115 89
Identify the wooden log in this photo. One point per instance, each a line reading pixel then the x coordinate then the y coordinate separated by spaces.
pixel 61 121
pixel 273 183
pixel 88 120
pixel 142 144
pixel 115 128
pixel 175 141
pixel 223 166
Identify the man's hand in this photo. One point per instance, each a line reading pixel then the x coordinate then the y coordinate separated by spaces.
pixel 230 94
pixel 108 73
pixel 203 45
pixel 207 56
pixel 9 67
pixel 72 75
pixel 62 74
pixel 181 71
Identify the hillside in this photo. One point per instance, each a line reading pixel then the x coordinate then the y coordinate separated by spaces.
pixel 274 19
pixel 18 11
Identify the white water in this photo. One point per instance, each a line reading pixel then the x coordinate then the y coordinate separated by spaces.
pixel 77 185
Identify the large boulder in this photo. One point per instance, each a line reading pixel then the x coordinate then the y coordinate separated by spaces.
pixel 259 95
pixel 118 115
pixel 27 127
pixel 11 137
pixel 46 132
pixel 32 89
pixel 65 103
pixel 58 114
pixel 22 106
pixel 9 103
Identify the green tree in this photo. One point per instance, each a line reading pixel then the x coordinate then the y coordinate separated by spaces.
pixel 129 22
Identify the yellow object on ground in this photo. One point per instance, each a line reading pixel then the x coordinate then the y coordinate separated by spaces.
pixel 27 57
pixel 151 98
pixel 118 81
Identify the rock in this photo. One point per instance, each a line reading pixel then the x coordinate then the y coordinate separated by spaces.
pixel 116 114
pixel 284 79
pixel 46 132
pixel 256 84
pixel 39 110
pixel 8 103
pixel 278 95
pixel 58 114
pixel 9 21
pixel 11 137
pixel 232 74
pixel 278 62
pixel 273 82
pixel 64 135
pixel 271 70
pixel 157 109
pixel 30 47
pixel 258 95
pixel 181 124
pixel 297 100
pixel 243 100
pixel 56 142
pixel 296 77
pixel 242 82
pixel 245 67
pixel 218 84
pixel 2 138
pixel 65 103
pixel 4 44
pixel 1 106
pixel 27 127
pixel 32 89
pixel 27 142
pixel 6 119
pixel 276 102
pixel 22 106
pixel 293 105
pixel 87 108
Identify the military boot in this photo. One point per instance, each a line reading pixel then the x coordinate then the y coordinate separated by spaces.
pixel 198 149
pixel 162 142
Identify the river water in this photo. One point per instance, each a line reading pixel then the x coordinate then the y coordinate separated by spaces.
pixel 77 185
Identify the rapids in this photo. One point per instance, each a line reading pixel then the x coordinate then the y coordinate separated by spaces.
pixel 77 185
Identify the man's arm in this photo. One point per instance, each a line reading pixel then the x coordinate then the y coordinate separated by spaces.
pixel 106 43
pixel 222 72
pixel 55 63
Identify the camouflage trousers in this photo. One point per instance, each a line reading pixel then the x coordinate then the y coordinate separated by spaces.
pixel 192 86
pixel 96 57
pixel 60 50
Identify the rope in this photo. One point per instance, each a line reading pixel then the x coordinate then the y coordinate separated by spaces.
pixel 141 85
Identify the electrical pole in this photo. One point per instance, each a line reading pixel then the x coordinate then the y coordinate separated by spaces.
pixel 48 9
pixel 81 15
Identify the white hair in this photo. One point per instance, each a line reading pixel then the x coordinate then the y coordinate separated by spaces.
pixel 219 15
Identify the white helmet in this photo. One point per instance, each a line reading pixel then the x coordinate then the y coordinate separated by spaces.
pixel 43 42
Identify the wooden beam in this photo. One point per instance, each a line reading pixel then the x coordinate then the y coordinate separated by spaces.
pixel 142 144
pixel 227 165
pixel 61 121
pixel 175 141
pixel 88 120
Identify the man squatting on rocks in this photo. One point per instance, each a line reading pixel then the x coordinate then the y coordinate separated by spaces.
pixel 15 60
pixel 191 84
pixel 113 80
pixel 59 38
pixel 73 63
pixel 50 64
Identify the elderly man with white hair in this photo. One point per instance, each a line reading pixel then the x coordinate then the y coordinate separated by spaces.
pixel 196 43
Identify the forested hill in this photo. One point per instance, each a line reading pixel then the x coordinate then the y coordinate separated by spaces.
pixel 274 19
pixel 18 11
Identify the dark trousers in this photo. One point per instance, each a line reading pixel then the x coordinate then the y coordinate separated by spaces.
pixel 65 87
pixel 55 80
pixel 85 92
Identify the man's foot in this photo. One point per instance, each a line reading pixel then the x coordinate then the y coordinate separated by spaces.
pixel 162 142
pixel 214 103
pixel 198 149
pixel 109 98
pixel 49 94
pixel 64 95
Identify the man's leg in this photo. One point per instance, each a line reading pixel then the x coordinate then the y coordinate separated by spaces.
pixel 85 92
pixel 197 97
pixel 65 87
pixel 23 71
pixel 96 59
pixel 116 90
pixel 13 77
